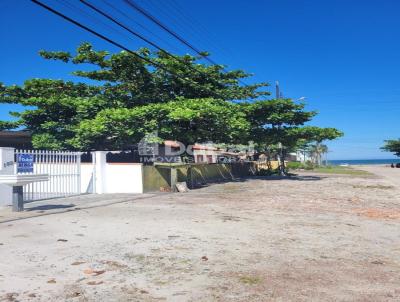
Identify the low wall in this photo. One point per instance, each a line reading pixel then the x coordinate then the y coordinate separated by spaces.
pixel 116 177
pixel 123 178
pixel 6 167
pixel 87 178
pixel 199 174
pixel 158 178
pixel 102 177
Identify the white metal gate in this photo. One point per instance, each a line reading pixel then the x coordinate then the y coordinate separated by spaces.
pixel 63 168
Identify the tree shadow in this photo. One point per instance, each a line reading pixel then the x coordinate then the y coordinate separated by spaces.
pixel 289 177
pixel 305 178
pixel 50 207
pixel 270 177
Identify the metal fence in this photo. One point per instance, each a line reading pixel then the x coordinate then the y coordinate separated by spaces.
pixel 63 168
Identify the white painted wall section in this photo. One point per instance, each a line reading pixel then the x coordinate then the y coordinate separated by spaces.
pixel 7 167
pixel 116 177
pixel 87 178
pixel 124 178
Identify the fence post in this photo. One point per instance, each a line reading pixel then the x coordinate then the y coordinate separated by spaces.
pixel 18 198
pixel 100 171
pixel 173 178
pixel 78 155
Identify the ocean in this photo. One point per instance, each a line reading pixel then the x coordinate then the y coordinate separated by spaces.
pixel 363 161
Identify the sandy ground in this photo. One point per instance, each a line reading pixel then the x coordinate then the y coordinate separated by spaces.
pixel 390 174
pixel 310 238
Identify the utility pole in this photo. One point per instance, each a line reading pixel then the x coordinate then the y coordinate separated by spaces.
pixel 277 92
pixel 281 159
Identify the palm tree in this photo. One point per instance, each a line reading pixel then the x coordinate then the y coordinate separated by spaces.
pixel 317 151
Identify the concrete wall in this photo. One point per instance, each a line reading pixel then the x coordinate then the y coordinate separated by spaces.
pixel 6 167
pixel 199 174
pixel 156 178
pixel 124 178
pixel 116 177
pixel 87 185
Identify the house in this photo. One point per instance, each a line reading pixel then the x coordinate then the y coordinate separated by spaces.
pixel 301 156
pixel 207 153
pixel 167 152
pixel 16 139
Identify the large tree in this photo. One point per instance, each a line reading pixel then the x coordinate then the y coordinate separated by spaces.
pixel 68 115
pixel 186 120
pixel 279 124
pixel 124 97
pixel 392 145
pixel 314 138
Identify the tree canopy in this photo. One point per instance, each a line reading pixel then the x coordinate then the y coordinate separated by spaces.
pixel 123 98
pixel 393 146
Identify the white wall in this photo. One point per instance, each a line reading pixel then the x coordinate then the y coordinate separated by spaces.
pixel 123 178
pixel 87 177
pixel 112 178
pixel 116 177
pixel 301 156
pixel 6 167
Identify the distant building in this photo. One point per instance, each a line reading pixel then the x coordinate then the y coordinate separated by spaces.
pixel 167 152
pixel 301 156
pixel 207 153
pixel 16 139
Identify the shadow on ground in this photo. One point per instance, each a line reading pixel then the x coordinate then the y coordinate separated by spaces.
pixel 270 177
pixel 301 177
pixel 48 207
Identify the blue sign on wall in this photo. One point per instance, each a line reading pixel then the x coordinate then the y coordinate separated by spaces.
pixel 25 163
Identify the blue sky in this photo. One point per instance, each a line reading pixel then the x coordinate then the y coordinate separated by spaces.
pixel 344 56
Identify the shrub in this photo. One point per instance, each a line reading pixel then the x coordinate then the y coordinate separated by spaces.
pixel 267 172
pixel 293 165
pixel 308 165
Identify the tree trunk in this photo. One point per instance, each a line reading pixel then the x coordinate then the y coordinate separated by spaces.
pixel 282 170
pixel 269 160
pixel 319 158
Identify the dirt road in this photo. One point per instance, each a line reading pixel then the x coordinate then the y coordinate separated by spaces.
pixel 310 238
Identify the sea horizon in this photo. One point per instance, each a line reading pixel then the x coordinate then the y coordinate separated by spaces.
pixel 336 162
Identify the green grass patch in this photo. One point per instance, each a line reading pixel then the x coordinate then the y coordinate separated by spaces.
pixel 250 280
pixel 341 170
pixel 381 187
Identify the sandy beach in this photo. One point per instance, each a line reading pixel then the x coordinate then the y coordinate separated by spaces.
pixel 313 237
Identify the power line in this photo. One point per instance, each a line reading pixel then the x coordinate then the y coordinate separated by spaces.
pixel 136 34
pixel 174 34
pixel 102 36
pixel 96 20
pixel 139 24
pixel 119 45
pixel 174 20
pixel 201 29
pixel 178 21
pixel 160 24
